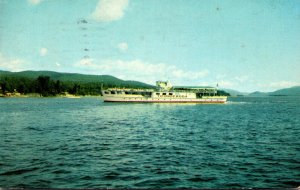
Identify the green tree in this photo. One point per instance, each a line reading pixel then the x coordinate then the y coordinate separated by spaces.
pixel 3 87
pixel 43 85
pixel 58 87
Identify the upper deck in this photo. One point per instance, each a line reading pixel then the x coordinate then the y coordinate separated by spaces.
pixel 165 89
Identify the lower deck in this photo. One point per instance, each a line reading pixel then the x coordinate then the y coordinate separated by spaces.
pixel 213 99
pixel 162 96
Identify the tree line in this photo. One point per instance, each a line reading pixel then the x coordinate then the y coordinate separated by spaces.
pixel 45 86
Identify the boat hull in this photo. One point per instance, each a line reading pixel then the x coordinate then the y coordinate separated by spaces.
pixel 206 100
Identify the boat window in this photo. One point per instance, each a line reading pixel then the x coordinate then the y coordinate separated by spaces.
pixel 113 92
pixel 164 93
pixel 157 94
pixel 106 92
pixel 171 94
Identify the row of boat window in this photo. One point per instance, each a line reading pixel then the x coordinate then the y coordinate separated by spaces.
pixel 164 94
pixel 149 93
pixel 138 93
pixel 142 93
pixel 127 92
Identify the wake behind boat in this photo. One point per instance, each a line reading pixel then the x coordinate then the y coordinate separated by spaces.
pixel 165 93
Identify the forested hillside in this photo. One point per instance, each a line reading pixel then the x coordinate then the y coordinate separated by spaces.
pixel 48 83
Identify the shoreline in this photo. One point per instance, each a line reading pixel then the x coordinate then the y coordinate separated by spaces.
pixel 34 95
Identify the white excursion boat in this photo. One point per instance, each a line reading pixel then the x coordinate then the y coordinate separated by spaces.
pixel 165 93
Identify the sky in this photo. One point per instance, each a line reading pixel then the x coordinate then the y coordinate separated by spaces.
pixel 246 45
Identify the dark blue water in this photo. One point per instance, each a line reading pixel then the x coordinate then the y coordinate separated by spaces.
pixel 85 143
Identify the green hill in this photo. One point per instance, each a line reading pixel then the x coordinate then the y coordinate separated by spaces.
pixel 49 83
pixel 106 80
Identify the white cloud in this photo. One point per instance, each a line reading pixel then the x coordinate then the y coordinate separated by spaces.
pixel 192 75
pixel 141 71
pixel 34 2
pixel 225 84
pixel 11 64
pixel 238 82
pixel 109 10
pixel 204 84
pixel 123 46
pixel 43 51
pixel 241 79
pixel 220 76
pixel 86 62
pixel 283 84
pixel 272 86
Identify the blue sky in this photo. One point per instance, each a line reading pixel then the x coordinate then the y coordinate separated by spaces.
pixel 238 44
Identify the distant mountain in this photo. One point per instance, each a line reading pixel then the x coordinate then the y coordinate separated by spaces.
pixel 74 77
pixel 258 94
pixel 235 92
pixel 292 91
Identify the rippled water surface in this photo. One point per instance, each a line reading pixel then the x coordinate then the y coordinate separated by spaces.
pixel 77 143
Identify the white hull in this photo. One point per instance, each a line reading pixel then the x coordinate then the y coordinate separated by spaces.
pixel 165 93
pixel 205 100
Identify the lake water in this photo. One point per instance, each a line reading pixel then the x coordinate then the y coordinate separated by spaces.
pixel 85 143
